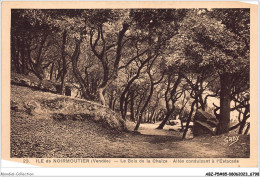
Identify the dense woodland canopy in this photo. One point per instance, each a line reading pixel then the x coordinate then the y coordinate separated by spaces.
pixel 146 64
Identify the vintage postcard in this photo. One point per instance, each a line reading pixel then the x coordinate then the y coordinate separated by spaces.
pixel 130 84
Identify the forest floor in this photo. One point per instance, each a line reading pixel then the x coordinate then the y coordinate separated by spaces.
pixel 39 135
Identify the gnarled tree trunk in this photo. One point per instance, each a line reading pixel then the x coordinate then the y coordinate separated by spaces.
pixel 225 91
pixel 64 63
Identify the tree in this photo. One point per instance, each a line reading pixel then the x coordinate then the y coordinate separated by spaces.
pixel 107 43
pixel 151 91
pixel 103 58
pixel 136 76
pixel 219 45
pixel 172 93
pixel 30 40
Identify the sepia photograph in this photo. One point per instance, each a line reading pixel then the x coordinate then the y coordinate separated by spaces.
pixel 130 83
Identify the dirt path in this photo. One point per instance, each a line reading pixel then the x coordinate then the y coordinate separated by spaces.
pixel 41 136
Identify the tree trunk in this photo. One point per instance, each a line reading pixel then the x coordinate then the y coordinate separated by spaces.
pixel 162 124
pixel 152 116
pixel 224 116
pixel 38 69
pixel 51 71
pixel 139 120
pixel 101 96
pixel 243 122
pixel 247 129
pixel 110 102
pixel 62 86
pixel 130 83
pixel 146 103
pixel 172 93
pixel 132 116
pixel 84 92
pixel 159 114
pixel 123 95
pixel 64 63
pixel 123 106
pixel 182 126
pixel 189 119
pixel 23 57
pixel 114 103
pixel 15 53
pixel 138 109
pixel 202 104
